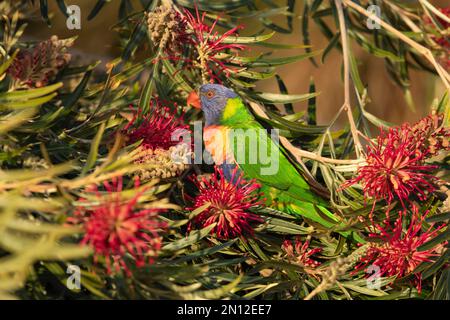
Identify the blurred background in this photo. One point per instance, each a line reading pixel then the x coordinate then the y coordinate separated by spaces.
pixel 96 41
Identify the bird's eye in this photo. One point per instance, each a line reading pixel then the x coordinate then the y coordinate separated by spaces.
pixel 210 94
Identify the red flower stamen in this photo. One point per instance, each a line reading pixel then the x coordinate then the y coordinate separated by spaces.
pixel 398 254
pixel 160 128
pixel 301 253
pixel 395 167
pixel 210 44
pixel 229 204
pixel 114 228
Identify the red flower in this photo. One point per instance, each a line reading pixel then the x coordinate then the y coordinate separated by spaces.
pixel 398 254
pixel 301 253
pixel 114 227
pixel 229 204
pixel 395 167
pixel 160 128
pixel 431 135
pixel 37 66
pixel 210 44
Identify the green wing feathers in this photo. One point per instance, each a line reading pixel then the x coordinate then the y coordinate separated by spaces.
pixel 283 186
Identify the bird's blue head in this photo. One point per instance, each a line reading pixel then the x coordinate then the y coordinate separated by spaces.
pixel 213 99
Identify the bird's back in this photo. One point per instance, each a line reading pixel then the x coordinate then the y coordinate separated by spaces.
pixel 258 154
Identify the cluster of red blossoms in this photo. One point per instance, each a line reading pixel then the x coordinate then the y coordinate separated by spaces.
pixel 160 128
pixel 114 228
pixel 229 204
pixel 396 167
pixel 396 170
pixel 209 44
pixel 398 252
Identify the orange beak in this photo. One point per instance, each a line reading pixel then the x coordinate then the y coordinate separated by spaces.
pixel 193 100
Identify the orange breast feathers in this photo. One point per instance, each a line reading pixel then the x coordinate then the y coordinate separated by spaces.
pixel 216 143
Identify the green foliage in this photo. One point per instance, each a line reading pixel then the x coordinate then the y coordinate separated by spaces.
pixel 60 139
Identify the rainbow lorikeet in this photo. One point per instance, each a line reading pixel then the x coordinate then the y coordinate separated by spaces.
pixel 234 138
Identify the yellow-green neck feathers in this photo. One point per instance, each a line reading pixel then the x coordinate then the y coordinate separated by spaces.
pixel 235 112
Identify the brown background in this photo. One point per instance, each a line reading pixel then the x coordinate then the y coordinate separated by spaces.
pixel 97 41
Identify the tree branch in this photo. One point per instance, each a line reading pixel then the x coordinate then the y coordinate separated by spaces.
pixel 445 77
pixel 346 106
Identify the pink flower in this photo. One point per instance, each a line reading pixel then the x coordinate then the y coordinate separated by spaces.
pixel 398 254
pixel 161 128
pixel 300 253
pixel 229 204
pixel 114 227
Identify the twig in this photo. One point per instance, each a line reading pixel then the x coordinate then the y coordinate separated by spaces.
pixel 330 276
pixel 322 140
pixel 405 16
pixel 310 155
pixel 445 77
pixel 299 153
pixel 432 8
pixel 335 270
pixel 346 106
